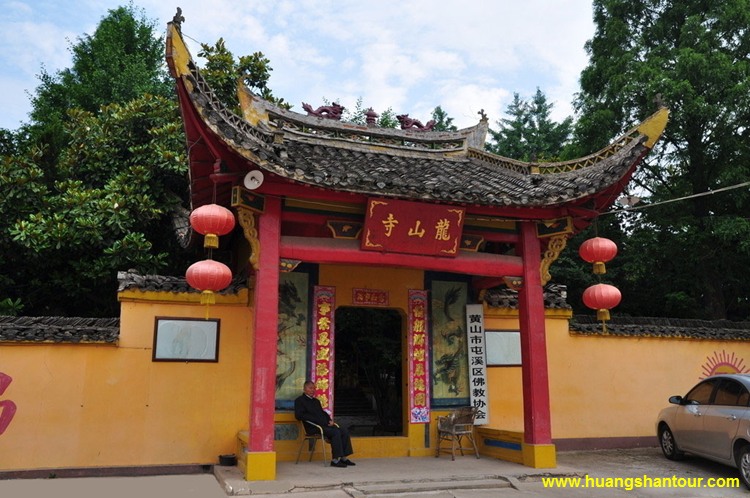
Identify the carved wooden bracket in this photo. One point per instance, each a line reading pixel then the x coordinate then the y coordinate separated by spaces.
pixel 555 246
pixel 247 222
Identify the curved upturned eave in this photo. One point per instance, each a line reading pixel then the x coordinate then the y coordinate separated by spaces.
pixel 470 176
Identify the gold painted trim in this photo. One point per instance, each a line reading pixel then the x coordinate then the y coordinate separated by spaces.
pixel 247 221
pixel 368 243
pixel 654 126
pixel 180 54
pixel 355 229
pixel 556 244
pixel 566 228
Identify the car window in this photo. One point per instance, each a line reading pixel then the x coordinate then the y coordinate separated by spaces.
pixel 731 393
pixel 701 394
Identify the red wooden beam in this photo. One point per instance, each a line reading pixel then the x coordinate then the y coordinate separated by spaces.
pixel 515 212
pixel 278 186
pixel 339 251
pixel 507 238
pixel 315 218
pixel 487 282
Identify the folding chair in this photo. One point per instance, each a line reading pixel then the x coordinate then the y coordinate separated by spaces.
pixel 312 440
pixel 454 427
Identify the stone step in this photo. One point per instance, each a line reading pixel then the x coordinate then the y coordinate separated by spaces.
pixel 389 489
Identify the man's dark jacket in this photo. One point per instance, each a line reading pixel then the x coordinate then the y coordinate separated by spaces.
pixel 310 410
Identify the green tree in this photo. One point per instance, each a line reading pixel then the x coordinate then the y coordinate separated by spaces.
pixel 386 119
pixel 121 61
pixel 686 258
pixel 8 142
pixel 104 200
pixel 528 134
pixel 23 190
pixel 223 72
pixel 443 122
pixel 108 209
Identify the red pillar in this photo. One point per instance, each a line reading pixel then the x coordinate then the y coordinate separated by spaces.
pixel 536 414
pixel 266 305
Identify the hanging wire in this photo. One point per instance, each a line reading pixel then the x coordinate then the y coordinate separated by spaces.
pixel 700 194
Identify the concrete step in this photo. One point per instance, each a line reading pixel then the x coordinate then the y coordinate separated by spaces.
pixel 385 489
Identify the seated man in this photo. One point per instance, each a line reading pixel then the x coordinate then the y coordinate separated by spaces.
pixel 307 408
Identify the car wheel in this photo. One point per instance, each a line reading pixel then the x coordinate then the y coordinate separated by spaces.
pixel 669 445
pixel 743 464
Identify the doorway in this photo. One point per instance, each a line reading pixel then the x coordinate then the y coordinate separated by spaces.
pixel 368 378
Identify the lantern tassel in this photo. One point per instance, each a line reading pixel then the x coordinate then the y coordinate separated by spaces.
pixel 208 298
pixel 600 268
pixel 603 315
pixel 211 241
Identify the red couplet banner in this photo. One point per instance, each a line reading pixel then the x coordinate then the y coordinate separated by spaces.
pixel 322 349
pixel 419 377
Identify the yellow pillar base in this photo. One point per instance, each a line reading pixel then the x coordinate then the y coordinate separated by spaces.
pixel 260 466
pixel 539 456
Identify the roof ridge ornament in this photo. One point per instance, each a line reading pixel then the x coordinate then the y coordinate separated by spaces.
pixel 371 117
pixel 333 111
pixel 178 19
pixel 408 123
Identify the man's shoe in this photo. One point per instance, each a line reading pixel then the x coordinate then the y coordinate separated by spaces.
pixel 338 464
pixel 348 462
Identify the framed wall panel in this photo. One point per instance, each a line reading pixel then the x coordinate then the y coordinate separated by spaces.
pixel 503 348
pixel 186 339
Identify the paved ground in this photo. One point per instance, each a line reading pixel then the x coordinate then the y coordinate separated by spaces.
pixel 467 477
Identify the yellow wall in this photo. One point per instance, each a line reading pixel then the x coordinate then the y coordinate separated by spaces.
pixel 92 405
pixel 624 381
pixel 505 394
pixel 396 281
pixel 81 405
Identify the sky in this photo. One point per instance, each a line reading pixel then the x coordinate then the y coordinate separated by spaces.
pixel 406 55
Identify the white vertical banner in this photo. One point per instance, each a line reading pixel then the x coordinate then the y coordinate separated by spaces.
pixel 477 361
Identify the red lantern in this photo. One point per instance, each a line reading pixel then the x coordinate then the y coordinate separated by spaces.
pixel 602 298
pixel 598 251
pixel 212 221
pixel 208 276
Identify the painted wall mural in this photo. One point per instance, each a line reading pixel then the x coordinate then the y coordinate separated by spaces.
pixel 723 363
pixel 450 377
pixel 7 407
pixel 291 351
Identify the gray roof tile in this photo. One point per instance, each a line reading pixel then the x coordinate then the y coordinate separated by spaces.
pixel 719 330
pixel 59 329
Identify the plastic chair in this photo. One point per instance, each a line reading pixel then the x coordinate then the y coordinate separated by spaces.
pixel 454 427
pixel 312 440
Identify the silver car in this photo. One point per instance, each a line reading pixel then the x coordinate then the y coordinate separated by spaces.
pixel 712 421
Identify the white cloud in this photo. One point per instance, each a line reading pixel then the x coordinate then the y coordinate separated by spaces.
pixel 411 56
